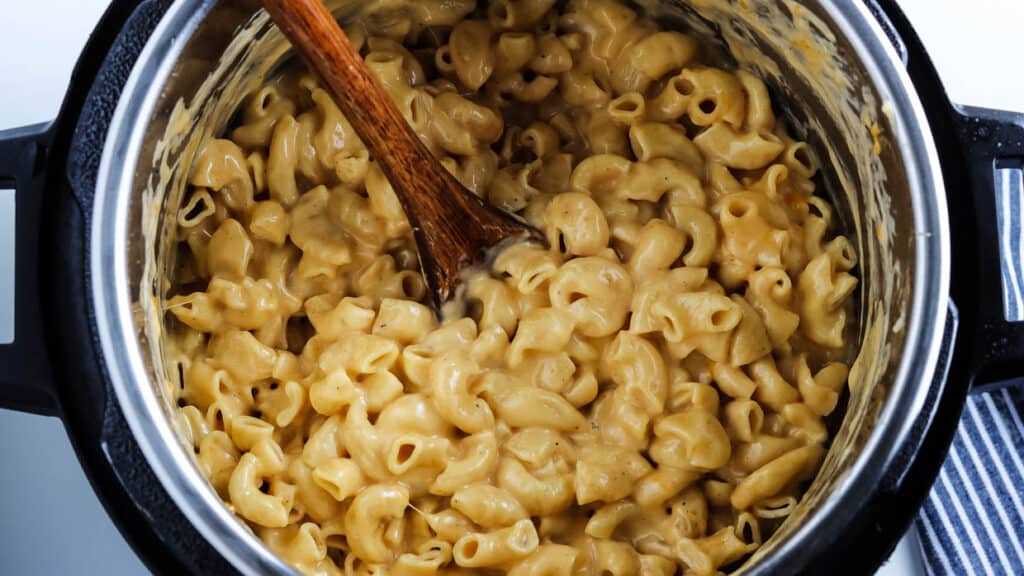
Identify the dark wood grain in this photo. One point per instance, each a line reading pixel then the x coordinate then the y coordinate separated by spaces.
pixel 453 228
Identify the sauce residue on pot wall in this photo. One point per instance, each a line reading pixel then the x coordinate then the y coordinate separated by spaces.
pixel 812 52
pixel 256 49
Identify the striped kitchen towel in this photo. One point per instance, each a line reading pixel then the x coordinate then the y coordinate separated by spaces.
pixel 973 520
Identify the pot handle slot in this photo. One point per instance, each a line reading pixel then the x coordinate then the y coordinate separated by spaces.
pixel 993 146
pixel 25 377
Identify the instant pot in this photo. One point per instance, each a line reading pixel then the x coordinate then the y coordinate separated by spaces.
pixel 916 181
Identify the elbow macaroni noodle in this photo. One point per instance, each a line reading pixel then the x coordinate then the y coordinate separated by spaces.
pixel 647 396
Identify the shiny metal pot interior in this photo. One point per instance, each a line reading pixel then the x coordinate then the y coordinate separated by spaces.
pixel 830 65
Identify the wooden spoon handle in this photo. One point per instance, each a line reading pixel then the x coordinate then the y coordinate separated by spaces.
pixel 320 40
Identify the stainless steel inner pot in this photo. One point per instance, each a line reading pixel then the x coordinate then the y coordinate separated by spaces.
pixel 833 73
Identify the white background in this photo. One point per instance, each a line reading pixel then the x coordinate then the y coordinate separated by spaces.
pixel 50 520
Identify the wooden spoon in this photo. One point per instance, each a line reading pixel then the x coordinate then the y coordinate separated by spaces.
pixel 453 227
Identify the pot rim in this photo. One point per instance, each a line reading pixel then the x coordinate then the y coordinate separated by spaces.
pixel 112 300
pixel 930 304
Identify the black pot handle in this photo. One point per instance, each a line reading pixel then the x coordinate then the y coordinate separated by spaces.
pixel 25 377
pixel 992 142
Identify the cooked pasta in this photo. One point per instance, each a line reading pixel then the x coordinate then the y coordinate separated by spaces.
pixel 647 395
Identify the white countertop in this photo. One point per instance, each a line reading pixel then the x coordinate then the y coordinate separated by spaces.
pixel 52 523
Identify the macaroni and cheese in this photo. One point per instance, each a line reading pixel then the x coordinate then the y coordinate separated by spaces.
pixel 646 396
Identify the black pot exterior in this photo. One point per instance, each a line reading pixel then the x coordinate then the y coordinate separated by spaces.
pixel 147 516
pixel 144 513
